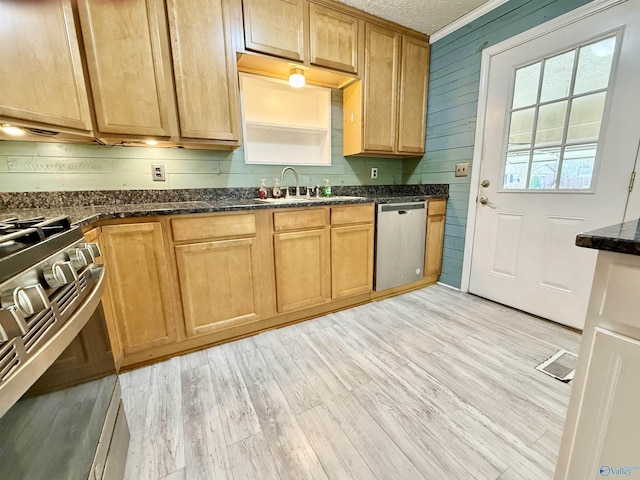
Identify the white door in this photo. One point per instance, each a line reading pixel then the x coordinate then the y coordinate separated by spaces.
pixel 561 130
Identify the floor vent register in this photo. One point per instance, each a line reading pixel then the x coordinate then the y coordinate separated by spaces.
pixel 562 365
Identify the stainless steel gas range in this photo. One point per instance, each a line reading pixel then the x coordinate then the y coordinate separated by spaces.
pixel 60 409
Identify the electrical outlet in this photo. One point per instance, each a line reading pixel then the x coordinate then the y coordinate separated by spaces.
pixel 157 173
pixel 374 172
pixel 462 169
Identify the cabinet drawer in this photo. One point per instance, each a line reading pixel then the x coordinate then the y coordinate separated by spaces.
pixel 346 214
pixel 437 207
pixel 299 219
pixel 218 226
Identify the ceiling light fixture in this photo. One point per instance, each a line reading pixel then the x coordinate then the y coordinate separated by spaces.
pixel 11 130
pixel 296 77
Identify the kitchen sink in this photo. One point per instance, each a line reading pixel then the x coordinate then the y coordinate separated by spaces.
pixel 279 201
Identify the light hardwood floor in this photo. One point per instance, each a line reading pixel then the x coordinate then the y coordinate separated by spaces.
pixel 433 384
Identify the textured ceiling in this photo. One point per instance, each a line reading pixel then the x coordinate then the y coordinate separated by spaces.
pixel 426 16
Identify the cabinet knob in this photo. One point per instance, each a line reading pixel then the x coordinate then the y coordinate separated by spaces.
pixel 60 273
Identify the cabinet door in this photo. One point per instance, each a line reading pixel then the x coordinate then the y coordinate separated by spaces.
pixel 219 284
pixel 333 39
pixel 351 260
pixel 302 269
pixel 275 27
pixel 435 237
pixel 139 285
pixel 40 68
pixel 205 69
pixel 412 108
pixel 129 66
pixel 607 434
pixel 381 88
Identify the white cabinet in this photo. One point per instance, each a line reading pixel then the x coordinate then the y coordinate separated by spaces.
pixel 602 430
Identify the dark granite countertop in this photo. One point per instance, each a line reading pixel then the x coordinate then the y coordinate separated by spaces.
pixel 619 238
pixel 84 208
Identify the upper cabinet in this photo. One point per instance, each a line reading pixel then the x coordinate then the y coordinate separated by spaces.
pixel 275 27
pixel 333 39
pixel 129 66
pixel 41 78
pixel 412 101
pixel 205 70
pixel 385 113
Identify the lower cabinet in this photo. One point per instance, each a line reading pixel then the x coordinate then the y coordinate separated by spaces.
pixel 352 239
pixel 182 282
pixel 301 258
pixel 138 280
pixel 435 237
pixel 218 284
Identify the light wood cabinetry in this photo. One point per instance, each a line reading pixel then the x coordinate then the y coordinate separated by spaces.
pixel 205 70
pixel 412 106
pixel 219 278
pixel 352 239
pixel 333 39
pixel 275 27
pixel 436 211
pixel 183 282
pixel 385 113
pixel 41 76
pixel 301 258
pixel 129 66
pixel 138 278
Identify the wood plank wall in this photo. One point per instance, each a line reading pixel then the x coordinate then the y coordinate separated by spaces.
pixel 452 109
pixel 35 166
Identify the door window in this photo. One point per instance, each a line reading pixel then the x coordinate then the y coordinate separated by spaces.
pixel 556 114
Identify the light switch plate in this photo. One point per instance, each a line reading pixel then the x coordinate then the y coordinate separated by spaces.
pixel 462 169
pixel 157 173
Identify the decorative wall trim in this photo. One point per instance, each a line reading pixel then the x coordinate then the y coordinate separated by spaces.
pixel 465 19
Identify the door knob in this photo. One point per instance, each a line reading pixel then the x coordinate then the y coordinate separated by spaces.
pixel 483 200
pixel 485 183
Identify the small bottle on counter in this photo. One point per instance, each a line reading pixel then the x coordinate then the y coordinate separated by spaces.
pixel 326 190
pixel 262 192
pixel 276 189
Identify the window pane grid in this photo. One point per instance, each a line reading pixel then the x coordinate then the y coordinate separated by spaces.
pixel 565 126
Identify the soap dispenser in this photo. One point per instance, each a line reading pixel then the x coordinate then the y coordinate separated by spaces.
pixel 262 192
pixel 326 190
pixel 276 189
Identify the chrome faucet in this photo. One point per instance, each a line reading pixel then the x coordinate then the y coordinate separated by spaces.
pixel 284 170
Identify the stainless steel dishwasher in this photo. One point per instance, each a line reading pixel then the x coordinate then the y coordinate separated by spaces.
pixel 400 242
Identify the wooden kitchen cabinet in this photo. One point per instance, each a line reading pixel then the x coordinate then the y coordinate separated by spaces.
pixel 41 72
pixel 128 59
pixel 352 240
pixel 220 278
pixel 412 101
pixel 385 113
pixel 436 211
pixel 301 258
pixel 205 70
pixel 275 27
pixel 139 285
pixel 333 39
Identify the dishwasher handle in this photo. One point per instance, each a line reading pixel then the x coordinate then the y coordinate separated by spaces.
pixel 401 208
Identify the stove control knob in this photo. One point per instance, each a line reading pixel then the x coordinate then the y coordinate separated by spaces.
pixel 94 248
pixel 60 273
pixel 30 300
pixel 12 323
pixel 80 257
